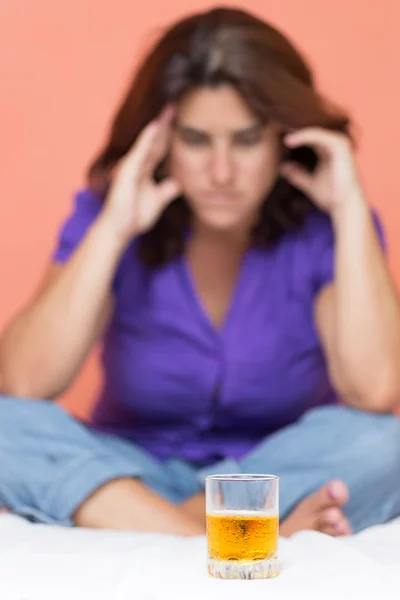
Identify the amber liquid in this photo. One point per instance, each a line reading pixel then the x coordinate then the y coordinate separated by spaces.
pixel 242 536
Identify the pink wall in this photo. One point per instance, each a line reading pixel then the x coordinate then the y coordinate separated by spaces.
pixel 63 66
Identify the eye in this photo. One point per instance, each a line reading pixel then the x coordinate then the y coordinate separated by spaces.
pixel 249 139
pixel 191 138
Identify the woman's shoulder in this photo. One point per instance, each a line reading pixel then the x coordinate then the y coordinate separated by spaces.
pixel 305 240
pixel 317 227
pixel 85 207
pixel 316 224
pixel 86 200
pixel 314 242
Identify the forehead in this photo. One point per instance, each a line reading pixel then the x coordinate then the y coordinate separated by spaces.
pixel 215 109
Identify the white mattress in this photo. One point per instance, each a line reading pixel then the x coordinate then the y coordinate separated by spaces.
pixel 51 563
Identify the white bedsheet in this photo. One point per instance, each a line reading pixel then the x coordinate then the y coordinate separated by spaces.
pixel 52 563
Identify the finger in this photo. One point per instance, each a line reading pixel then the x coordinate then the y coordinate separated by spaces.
pixel 296 176
pixel 140 152
pixel 159 146
pixel 316 137
pixel 150 146
pixel 168 113
pixel 163 137
pixel 168 190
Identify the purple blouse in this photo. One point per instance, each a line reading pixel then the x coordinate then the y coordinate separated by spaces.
pixel 180 388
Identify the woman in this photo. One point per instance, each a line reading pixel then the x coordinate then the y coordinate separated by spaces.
pixel 225 254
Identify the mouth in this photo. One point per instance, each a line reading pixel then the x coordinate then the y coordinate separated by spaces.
pixel 220 198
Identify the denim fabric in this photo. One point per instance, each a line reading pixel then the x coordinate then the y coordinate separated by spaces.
pixel 50 462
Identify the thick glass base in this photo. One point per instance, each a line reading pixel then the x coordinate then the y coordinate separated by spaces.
pixel 237 569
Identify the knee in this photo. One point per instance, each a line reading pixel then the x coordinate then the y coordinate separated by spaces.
pixel 371 468
pixel 11 415
pixel 24 426
pixel 372 440
pixel 19 413
pixel 376 444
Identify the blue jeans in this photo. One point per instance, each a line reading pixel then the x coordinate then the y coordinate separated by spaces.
pixel 49 462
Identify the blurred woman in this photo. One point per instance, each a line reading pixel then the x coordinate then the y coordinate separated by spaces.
pixel 224 252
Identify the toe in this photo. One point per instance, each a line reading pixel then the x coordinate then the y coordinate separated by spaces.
pixel 338 492
pixel 334 493
pixel 331 531
pixel 333 522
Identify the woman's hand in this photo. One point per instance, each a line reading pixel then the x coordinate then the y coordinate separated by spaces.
pixel 335 178
pixel 135 201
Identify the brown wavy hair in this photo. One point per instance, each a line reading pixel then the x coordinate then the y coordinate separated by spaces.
pixel 223 45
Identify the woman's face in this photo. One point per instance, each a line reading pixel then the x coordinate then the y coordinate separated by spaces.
pixel 225 159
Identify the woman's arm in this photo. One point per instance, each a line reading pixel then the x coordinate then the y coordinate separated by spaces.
pixel 358 317
pixel 45 345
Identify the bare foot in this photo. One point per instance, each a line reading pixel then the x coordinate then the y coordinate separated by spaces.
pixel 320 512
pixel 196 507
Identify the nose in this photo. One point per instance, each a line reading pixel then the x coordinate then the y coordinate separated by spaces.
pixel 221 166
